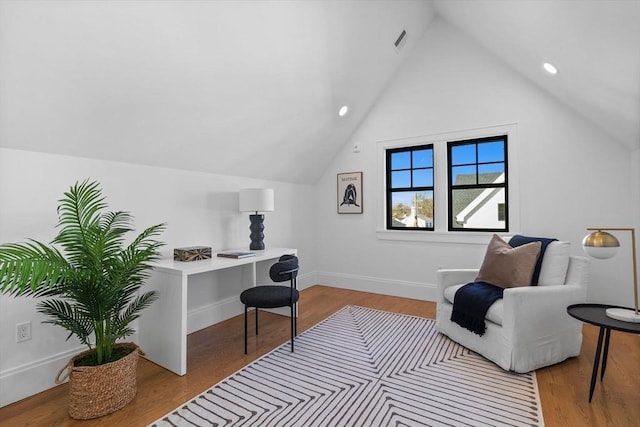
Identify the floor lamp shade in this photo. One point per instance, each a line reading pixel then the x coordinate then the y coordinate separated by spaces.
pixel 256 200
pixel 602 245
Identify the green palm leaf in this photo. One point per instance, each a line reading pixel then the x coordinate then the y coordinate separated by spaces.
pixel 93 279
pixel 25 267
pixel 64 314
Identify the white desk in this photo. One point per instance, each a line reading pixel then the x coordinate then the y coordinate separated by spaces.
pixel 163 325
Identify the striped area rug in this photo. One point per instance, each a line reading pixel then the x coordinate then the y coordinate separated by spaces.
pixel 364 367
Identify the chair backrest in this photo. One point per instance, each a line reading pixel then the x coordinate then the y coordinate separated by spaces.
pixel 285 269
pixel 578 271
pixel 559 268
pixel 555 264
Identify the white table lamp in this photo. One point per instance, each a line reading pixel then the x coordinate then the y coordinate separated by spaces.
pixel 603 245
pixel 256 200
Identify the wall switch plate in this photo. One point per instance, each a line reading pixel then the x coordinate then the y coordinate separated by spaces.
pixel 23 331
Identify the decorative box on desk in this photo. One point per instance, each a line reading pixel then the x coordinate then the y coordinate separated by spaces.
pixel 192 253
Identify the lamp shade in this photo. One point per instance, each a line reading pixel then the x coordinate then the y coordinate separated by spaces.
pixel 256 200
pixel 600 244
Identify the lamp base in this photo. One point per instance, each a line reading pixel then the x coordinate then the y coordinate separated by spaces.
pixel 257 237
pixel 623 314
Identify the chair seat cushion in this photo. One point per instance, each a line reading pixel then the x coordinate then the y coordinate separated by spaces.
pixel 495 311
pixel 269 296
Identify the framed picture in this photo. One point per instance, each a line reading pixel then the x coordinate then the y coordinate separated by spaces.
pixel 350 193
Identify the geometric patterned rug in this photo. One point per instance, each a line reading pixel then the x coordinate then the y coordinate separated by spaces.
pixel 365 367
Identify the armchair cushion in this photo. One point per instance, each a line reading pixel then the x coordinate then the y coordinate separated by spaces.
pixel 555 264
pixel 495 311
pixel 508 267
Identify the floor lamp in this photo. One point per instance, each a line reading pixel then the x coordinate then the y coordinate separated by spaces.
pixel 256 200
pixel 603 245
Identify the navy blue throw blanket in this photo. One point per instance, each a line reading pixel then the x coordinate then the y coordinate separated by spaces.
pixel 471 303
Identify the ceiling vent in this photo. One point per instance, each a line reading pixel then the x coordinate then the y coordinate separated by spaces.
pixel 400 41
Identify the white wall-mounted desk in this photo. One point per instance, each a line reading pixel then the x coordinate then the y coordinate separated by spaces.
pixel 163 325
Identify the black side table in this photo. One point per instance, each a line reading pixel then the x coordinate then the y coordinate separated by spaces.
pixel 595 314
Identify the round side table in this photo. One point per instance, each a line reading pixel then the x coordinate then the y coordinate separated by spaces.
pixel 595 314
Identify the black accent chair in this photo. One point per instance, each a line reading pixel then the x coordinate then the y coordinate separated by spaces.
pixel 273 296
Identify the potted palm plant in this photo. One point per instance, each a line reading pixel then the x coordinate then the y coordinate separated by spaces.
pixel 88 281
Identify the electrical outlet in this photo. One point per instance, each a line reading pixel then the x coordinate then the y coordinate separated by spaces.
pixel 23 331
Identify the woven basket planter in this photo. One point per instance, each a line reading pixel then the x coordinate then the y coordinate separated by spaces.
pixel 95 391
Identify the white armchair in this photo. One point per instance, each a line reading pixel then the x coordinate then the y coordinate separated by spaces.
pixel 529 327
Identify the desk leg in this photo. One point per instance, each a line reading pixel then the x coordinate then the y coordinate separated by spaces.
pixel 163 325
pixel 596 362
pixel 606 353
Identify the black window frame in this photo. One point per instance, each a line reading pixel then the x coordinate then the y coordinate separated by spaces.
pixel 389 190
pixel 451 187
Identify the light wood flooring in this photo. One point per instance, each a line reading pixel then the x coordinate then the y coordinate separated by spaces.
pixel 216 352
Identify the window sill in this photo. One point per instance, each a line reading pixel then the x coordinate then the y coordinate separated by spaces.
pixel 462 237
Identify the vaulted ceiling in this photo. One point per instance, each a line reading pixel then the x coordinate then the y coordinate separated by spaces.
pixel 595 44
pixel 253 88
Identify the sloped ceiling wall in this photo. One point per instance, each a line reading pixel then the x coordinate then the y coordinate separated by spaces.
pixel 593 43
pixel 252 88
pixel 248 88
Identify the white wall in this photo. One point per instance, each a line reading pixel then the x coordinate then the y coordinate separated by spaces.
pixel 451 84
pixel 199 209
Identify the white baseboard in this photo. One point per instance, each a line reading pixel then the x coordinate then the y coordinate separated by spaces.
pixel 31 378
pixel 23 381
pixel 218 311
pixel 210 314
pixel 399 288
pixel 26 380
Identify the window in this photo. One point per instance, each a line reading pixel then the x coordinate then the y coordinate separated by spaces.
pixel 477 184
pixel 482 151
pixel 409 188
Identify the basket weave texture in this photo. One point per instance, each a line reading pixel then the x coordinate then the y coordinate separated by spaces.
pixel 95 391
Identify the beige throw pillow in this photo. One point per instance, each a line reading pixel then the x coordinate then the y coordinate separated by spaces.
pixel 508 267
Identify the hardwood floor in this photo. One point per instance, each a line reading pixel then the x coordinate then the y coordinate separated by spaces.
pixel 217 352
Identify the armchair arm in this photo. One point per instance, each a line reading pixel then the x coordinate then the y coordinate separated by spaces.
pixel 451 277
pixel 532 313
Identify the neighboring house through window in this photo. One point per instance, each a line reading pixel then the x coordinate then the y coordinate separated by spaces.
pixel 410 188
pixel 456 186
pixel 478 184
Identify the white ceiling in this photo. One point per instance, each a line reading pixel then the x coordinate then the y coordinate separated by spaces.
pixel 248 88
pixel 252 88
pixel 594 43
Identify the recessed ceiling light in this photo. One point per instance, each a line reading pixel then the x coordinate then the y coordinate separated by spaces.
pixel 550 68
pixel 343 110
